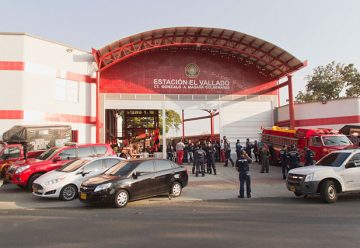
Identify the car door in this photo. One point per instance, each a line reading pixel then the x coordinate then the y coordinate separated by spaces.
pixel 92 169
pixel 164 174
pixel 145 184
pixel 351 175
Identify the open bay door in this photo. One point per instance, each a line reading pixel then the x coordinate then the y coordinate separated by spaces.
pixel 241 120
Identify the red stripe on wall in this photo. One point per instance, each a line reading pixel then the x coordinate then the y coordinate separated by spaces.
pixel 11 114
pixel 322 121
pixel 19 115
pixel 80 77
pixel 12 66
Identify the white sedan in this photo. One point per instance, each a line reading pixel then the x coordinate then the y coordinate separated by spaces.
pixel 64 182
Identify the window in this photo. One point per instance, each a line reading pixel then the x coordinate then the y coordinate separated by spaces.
pixel 333 159
pixel 66 90
pixel 110 162
pixel 162 165
pixel 123 168
pixel 356 159
pixel 95 166
pixel 100 150
pixel 68 154
pixel 316 141
pixel 14 152
pixel 146 167
pixel 85 152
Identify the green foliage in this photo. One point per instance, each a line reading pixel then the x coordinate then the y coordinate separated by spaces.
pixel 173 120
pixel 328 82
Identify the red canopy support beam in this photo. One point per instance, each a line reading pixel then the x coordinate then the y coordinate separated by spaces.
pixel 291 103
pixel 183 126
pixel 98 125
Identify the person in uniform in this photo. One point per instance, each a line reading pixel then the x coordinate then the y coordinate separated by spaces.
pixel 256 151
pixel 248 147
pixel 283 160
pixel 238 149
pixel 211 150
pixel 227 148
pixel 242 166
pixel 265 157
pixel 294 157
pixel 309 157
pixel 200 155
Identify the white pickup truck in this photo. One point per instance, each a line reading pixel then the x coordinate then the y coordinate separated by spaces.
pixel 337 172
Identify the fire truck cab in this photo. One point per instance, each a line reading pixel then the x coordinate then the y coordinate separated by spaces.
pixel 320 140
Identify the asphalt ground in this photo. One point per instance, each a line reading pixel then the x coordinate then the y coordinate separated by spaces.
pixel 259 222
pixel 225 185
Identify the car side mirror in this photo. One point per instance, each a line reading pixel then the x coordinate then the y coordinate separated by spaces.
pixel 135 175
pixel 56 159
pixel 350 165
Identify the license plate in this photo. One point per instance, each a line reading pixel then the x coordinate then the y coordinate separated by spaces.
pixel 292 188
pixel 82 196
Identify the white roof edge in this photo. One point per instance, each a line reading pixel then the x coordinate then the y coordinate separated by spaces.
pixel 43 39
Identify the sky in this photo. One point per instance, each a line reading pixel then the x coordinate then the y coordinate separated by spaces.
pixel 318 31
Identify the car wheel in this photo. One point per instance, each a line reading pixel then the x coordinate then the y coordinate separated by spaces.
pixel 297 194
pixel 176 189
pixel 121 198
pixel 31 180
pixel 328 192
pixel 68 192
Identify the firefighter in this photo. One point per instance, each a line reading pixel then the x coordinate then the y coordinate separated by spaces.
pixel 293 157
pixel 265 159
pixel 248 147
pixel 284 161
pixel 200 155
pixel 242 165
pixel 309 157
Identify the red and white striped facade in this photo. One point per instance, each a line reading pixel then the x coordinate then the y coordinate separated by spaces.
pixel 44 82
pixel 331 114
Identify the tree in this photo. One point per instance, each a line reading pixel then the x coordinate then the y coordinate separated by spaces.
pixel 173 120
pixel 328 82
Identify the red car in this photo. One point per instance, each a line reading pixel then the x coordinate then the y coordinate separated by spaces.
pixel 24 173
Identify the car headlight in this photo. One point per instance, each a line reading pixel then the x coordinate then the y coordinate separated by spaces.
pixel 309 177
pixel 21 169
pixel 54 181
pixel 102 187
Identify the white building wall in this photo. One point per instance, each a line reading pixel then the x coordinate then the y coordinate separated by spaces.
pixel 34 89
pixel 329 113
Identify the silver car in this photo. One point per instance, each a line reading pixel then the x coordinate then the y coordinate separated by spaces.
pixel 65 181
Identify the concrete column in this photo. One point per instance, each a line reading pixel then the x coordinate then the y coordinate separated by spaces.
pixel 164 131
pixel 291 103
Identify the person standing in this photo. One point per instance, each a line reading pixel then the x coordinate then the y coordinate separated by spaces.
pixel 238 149
pixel 200 161
pixel 294 157
pixel 309 157
pixel 283 160
pixel 256 151
pixel 169 152
pixel 248 148
pixel 222 151
pixel 265 156
pixel 242 166
pixel 211 150
pixel 227 148
pixel 180 152
pixel 190 156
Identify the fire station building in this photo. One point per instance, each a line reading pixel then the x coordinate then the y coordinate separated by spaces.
pixel 182 68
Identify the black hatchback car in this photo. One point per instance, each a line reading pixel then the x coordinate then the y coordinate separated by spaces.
pixel 135 179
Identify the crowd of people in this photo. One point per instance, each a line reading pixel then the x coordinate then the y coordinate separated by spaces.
pixel 205 154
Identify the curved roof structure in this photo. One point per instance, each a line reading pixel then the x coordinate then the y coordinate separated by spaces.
pixel 270 59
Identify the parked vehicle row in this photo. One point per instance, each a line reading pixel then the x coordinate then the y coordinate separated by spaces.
pixel 93 172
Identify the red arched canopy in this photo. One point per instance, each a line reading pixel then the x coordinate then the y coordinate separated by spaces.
pixel 270 59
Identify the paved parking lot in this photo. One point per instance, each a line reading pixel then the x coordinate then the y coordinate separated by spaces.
pixel 224 185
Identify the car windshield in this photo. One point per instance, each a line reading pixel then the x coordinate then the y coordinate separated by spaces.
pixel 48 154
pixel 73 165
pixel 335 159
pixel 336 140
pixel 123 168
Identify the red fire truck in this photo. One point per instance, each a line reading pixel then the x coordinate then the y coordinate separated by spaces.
pixel 321 140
